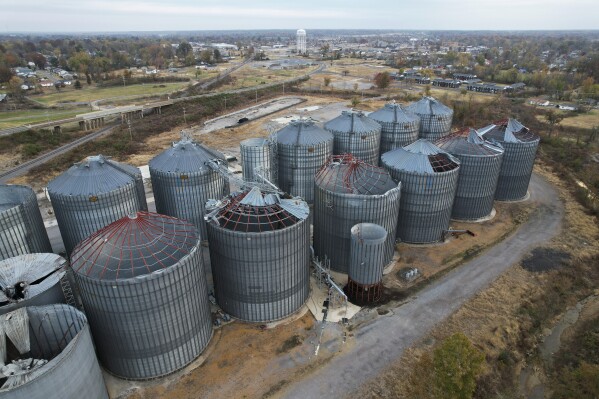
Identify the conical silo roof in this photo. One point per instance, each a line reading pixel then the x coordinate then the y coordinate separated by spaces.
pixel 347 174
pixel 429 106
pixel 508 131
pixel 394 113
pixel 421 157
pixel 352 122
pixel 136 245
pixel 95 175
pixel 185 156
pixel 468 142
pixel 302 132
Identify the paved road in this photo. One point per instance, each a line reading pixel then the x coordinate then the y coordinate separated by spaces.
pixel 383 341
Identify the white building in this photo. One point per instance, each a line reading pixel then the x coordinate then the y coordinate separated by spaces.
pixel 301 41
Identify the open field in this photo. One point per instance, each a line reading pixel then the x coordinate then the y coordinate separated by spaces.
pixel 581 121
pixel 359 68
pixel 31 116
pixel 248 76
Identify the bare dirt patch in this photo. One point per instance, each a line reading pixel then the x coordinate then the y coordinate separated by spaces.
pixel 544 259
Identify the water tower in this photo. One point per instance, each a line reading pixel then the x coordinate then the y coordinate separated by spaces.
pixel 301 41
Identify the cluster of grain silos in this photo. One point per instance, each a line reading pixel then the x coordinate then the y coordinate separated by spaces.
pixel 258 160
pixel 435 118
pixel 480 164
pixel 520 145
pixel 350 191
pixel 52 356
pixel 22 229
pixel 399 127
pixel 302 148
pixel 143 287
pixel 355 133
pixel 260 253
pixel 93 194
pixel 429 178
pixel 182 181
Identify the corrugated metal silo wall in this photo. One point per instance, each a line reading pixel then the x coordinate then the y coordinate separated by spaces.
pixel 516 169
pixel 364 146
pixel 75 372
pixel 298 166
pixel 335 214
pixel 153 325
pixel 367 259
pixel 184 195
pixel 261 277
pixel 477 182
pixel 395 135
pixel 425 206
pixel 263 157
pixel 80 216
pixel 22 229
pixel 433 127
pixel 50 296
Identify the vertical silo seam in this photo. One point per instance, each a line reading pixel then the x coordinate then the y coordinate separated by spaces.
pixel 435 118
pixel 355 133
pixel 399 127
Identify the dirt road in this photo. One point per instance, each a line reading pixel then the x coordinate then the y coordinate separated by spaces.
pixel 383 341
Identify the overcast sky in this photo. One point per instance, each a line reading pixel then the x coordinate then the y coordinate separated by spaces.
pixel 169 15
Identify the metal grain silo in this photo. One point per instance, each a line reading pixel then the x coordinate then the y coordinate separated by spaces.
pixel 31 280
pixel 53 355
pixel 22 229
pixel 349 191
pixel 400 127
pixel 302 149
pixel 93 194
pixel 367 261
pixel 356 134
pixel 260 254
pixel 520 145
pixel 480 163
pixel 258 157
pixel 435 118
pixel 143 287
pixel 429 178
pixel 182 181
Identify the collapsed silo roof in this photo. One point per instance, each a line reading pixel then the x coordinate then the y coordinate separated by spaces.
pixel 302 132
pixel 185 156
pixel 468 142
pixel 429 106
pixel 421 157
pixel 508 131
pixel 136 245
pixel 352 122
pixel 394 113
pixel 348 174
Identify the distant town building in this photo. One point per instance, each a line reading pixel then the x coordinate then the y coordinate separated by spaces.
pixel 301 41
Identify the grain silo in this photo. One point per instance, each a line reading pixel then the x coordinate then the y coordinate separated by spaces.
pixel 258 159
pixel 367 262
pixel 429 178
pixel 182 181
pixel 400 127
pixel 356 134
pixel 302 149
pixel 92 194
pixel 143 287
pixel 52 355
pixel 480 163
pixel 520 145
pixel 22 229
pixel 260 254
pixel 31 280
pixel 349 191
pixel 435 118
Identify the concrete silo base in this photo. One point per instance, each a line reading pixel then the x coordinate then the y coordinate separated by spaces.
pixel 319 295
pixel 525 198
pixel 490 216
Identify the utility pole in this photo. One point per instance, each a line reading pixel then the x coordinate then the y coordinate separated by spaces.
pixel 129 126
pixel 225 103
pixel 256 96
pixel 184 117
pixel 123 80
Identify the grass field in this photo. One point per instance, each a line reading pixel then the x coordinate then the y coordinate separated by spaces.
pixel 31 116
pixel 248 76
pixel 584 121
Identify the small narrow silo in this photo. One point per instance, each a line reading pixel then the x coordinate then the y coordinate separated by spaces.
pixel 429 178
pixel 435 118
pixel 480 163
pixel 356 134
pixel 31 280
pixel 182 181
pixel 53 355
pixel 367 261
pixel 349 191
pixel 22 228
pixel 92 194
pixel 143 287
pixel 302 149
pixel 520 145
pixel 400 127
pixel 260 254
pixel 258 157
